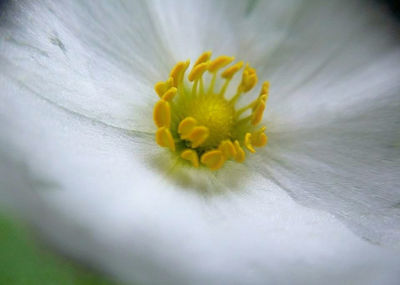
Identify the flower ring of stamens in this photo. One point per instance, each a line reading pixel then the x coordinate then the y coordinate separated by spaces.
pixel 199 123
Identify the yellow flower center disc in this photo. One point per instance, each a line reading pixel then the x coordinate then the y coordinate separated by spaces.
pixel 198 121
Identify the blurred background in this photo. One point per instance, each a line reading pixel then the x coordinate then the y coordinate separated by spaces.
pixel 24 259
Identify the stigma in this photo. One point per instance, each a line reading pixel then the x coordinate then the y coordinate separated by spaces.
pixel 198 120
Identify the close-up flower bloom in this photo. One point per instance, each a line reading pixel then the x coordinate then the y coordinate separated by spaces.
pixel 131 148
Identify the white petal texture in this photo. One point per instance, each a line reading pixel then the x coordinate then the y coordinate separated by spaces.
pixel 320 204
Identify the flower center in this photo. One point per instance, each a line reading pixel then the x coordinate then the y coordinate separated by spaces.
pixel 216 114
pixel 199 122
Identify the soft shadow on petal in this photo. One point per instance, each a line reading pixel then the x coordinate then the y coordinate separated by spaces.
pixel 233 177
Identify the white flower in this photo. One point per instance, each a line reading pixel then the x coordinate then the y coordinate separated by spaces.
pixel 319 204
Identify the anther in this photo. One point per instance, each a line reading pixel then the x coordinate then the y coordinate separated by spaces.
pixel 228 149
pixel 240 155
pixel 169 94
pixel 213 159
pixel 198 71
pixel 198 135
pixel 162 87
pixel 231 71
pixel 258 112
pixel 219 62
pixel 164 138
pixel 264 97
pixel 192 156
pixel 265 89
pixel 247 142
pixel 259 138
pixel 177 70
pixel 186 126
pixel 203 58
pixel 162 114
pixel 249 78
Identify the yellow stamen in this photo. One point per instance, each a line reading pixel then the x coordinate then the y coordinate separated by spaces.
pixel 259 138
pixel 228 149
pixel 205 56
pixel 213 159
pixel 198 120
pixel 186 126
pixel 265 89
pixel 169 94
pixel 247 142
pixel 164 138
pixel 258 112
pixel 198 135
pixel 198 71
pixel 264 97
pixel 162 87
pixel 219 62
pixel 231 71
pixel 240 155
pixel 162 114
pixel 192 156
pixel 249 78
pixel 177 71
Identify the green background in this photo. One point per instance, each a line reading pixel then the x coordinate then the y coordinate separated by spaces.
pixel 23 260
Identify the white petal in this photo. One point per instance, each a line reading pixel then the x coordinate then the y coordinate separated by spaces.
pixel 105 200
pixel 333 115
pixel 95 193
pixel 192 27
pixel 323 60
pixel 97 59
pixel 349 167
